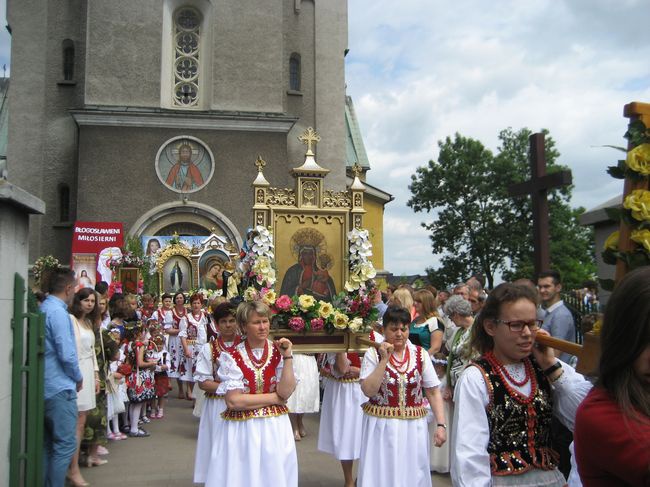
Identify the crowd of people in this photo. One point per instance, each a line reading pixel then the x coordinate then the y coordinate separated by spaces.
pixel 454 381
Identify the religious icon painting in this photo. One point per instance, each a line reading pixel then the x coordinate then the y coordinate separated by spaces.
pixel 212 264
pixel 129 277
pixel 84 266
pixel 184 164
pixel 177 274
pixel 314 257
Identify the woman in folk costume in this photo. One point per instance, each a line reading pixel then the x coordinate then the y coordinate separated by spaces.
pixel 341 414
pixel 193 335
pixel 397 376
pixel 255 445
pixel 208 381
pixel 174 345
pixel 505 399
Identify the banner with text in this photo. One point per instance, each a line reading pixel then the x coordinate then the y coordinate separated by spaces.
pixel 93 246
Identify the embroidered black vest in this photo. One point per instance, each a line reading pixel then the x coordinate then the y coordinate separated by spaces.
pixel 520 430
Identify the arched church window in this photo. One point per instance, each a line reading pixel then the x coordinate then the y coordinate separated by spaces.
pixel 64 203
pixel 294 72
pixel 68 60
pixel 187 26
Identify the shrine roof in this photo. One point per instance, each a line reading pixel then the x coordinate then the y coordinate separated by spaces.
pixel 598 213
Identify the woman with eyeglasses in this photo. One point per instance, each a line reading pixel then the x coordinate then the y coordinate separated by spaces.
pixel 505 399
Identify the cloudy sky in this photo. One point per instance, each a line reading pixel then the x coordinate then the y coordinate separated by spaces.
pixel 420 70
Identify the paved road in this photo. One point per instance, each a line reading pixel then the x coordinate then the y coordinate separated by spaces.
pixel 166 458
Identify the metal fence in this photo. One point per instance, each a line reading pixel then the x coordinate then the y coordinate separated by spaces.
pixel 580 310
pixel 27 378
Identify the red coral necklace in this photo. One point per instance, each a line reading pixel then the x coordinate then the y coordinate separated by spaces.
pixel 400 365
pixel 265 355
pixel 505 377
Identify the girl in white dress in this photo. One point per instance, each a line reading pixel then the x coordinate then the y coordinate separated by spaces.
pixel 84 315
pixel 306 398
pixel 193 334
pixel 174 345
pixel 255 445
pixel 206 375
pixel 341 415
pixel 397 376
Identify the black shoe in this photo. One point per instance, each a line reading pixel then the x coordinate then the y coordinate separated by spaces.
pixel 139 434
pixel 125 429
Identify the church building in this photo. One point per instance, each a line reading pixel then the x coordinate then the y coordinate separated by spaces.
pixel 152 113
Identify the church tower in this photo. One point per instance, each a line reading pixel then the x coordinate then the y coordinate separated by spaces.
pixel 153 112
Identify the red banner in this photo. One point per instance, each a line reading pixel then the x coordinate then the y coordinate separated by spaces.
pixel 89 239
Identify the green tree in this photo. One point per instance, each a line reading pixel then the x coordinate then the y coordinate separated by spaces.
pixel 478 226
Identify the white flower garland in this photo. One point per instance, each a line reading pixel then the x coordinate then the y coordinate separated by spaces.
pixel 361 268
pixel 260 262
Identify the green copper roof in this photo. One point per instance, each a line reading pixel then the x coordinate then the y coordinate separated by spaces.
pixel 355 150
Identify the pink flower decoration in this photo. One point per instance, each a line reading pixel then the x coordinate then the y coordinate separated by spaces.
pixel 297 323
pixel 283 303
pixel 317 324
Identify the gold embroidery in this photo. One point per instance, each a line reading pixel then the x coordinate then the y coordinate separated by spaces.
pixel 402 412
pixel 265 412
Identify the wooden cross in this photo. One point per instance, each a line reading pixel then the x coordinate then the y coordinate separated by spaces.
pixel 308 138
pixel 538 187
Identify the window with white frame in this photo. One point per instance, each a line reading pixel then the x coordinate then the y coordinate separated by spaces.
pixel 187 31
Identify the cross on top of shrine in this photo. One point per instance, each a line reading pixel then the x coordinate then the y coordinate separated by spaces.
pixel 308 138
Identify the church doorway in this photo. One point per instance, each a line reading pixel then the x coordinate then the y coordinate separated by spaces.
pixel 188 219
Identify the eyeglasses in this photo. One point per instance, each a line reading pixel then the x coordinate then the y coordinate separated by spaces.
pixel 517 326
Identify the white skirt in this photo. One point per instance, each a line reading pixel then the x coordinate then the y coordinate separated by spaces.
pixel 86 398
pixel 211 421
pixel 306 397
pixel 176 354
pixel 256 452
pixel 440 455
pixel 341 418
pixel 199 399
pixel 394 453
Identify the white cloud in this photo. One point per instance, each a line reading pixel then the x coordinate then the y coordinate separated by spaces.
pixel 421 70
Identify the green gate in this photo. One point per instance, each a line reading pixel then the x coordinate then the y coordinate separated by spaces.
pixel 27 378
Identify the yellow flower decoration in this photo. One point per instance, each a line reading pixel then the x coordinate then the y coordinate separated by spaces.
pixel 638 159
pixel 639 202
pixel 612 241
pixel 642 237
pixel 325 309
pixel 356 324
pixel 305 301
pixel 340 320
pixel 269 297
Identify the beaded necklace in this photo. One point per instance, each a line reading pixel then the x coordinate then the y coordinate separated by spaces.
pixel 505 377
pixel 400 365
pixel 236 341
pixel 258 364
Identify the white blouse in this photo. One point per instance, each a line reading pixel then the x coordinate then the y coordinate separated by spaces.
pixel 429 376
pixel 231 376
pixel 470 460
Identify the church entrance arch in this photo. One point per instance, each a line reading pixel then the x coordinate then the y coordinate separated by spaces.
pixel 195 219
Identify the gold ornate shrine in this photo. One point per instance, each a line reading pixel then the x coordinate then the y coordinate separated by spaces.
pixel 309 223
pixel 310 226
pixel 183 268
